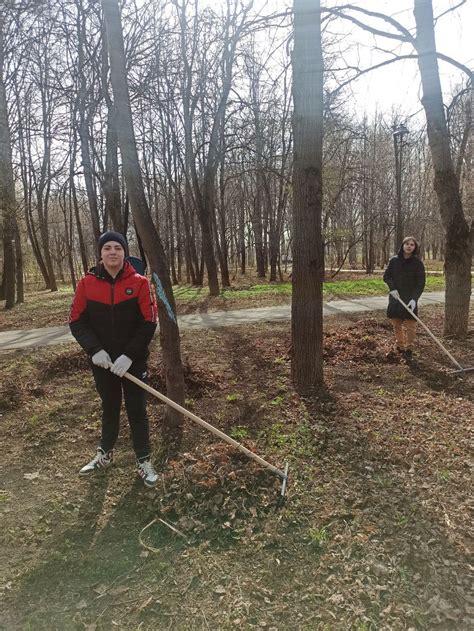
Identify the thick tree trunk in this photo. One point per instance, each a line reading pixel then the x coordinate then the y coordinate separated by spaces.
pixel 308 251
pixel 241 241
pixel 67 209
pixel 87 166
pixel 25 142
pixel 179 241
pixel 20 285
pixel 7 193
pixel 204 200
pixel 257 222
pixel 273 230
pixel 190 253
pixel 221 248
pixel 31 230
pixel 69 231
pixel 205 210
pixel 83 127
pixel 75 206
pixel 169 333
pixel 458 235
pixel 171 236
pixel 221 227
pixel 43 184
pixel 258 231
pixel 369 237
pixel 113 202
pixel 43 212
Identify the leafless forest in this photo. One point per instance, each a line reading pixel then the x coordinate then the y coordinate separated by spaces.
pixel 224 137
pixel 210 91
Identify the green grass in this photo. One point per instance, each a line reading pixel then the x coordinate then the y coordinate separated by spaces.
pixel 343 288
pixel 373 286
pixel 185 294
pixel 44 308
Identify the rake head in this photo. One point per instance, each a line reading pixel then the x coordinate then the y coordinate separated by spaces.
pixel 463 370
pixel 284 481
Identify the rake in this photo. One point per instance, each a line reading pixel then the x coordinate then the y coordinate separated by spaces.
pixel 459 369
pixel 282 474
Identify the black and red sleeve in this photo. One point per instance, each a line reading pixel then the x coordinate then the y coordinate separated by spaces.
pixel 79 322
pixel 137 347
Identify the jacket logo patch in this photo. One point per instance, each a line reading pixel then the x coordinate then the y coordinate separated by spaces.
pixel 129 291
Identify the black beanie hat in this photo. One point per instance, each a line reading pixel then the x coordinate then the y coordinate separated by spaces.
pixel 110 235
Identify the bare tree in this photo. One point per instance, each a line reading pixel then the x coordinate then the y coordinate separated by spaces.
pixel 308 253
pixel 169 333
pixel 7 187
pixel 210 104
pixel 458 234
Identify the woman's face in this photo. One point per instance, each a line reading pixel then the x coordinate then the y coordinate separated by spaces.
pixel 409 247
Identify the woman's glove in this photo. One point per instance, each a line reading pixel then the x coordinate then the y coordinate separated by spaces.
pixel 121 365
pixel 412 304
pixel 101 359
pixel 395 294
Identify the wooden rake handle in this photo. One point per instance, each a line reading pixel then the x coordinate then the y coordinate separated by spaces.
pixel 433 337
pixel 217 432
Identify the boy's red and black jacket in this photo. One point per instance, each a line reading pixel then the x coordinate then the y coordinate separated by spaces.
pixel 117 315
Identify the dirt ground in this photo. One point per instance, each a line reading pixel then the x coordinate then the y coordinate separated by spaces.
pixel 374 533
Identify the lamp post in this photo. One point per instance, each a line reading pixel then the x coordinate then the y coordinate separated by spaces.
pixel 399 132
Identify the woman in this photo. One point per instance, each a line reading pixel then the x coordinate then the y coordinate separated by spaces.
pixel 405 277
pixel 113 317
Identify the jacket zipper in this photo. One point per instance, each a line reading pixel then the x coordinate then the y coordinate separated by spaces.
pixel 113 298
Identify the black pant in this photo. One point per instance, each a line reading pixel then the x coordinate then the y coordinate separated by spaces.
pixel 109 387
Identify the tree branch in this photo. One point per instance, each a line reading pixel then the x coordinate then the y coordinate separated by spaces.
pixel 365 70
pixel 404 36
pixel 455 63
pixel 438 17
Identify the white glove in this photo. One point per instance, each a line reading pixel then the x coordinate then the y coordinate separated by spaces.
pixel 121 365
pixel 101 359
pixel 395 294
pixel 412 304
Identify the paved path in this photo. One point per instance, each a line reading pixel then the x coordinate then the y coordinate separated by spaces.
pixel 49 336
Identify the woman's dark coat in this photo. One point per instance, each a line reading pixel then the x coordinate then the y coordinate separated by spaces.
pixel 408 277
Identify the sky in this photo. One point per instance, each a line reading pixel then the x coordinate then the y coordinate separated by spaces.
pixel 394 88
pixel 397 86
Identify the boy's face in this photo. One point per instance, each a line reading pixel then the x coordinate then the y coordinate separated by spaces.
pixel 112 255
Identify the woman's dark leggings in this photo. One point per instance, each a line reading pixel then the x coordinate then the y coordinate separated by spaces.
pixel 109 387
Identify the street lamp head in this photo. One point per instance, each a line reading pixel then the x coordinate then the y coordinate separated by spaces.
pixel 399 130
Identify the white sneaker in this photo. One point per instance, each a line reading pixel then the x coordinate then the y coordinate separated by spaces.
pixel 147 473
pixel 101 460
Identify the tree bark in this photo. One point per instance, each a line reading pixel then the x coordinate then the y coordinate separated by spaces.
pixel 308 251
pixel 7 192
pixel 25 142
pixel 458 235
pixel 113 202
pixel 75 205
pixel 19 267
pixel 257 222
pixel 83 127
pixel 169 332
pixel 67 210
